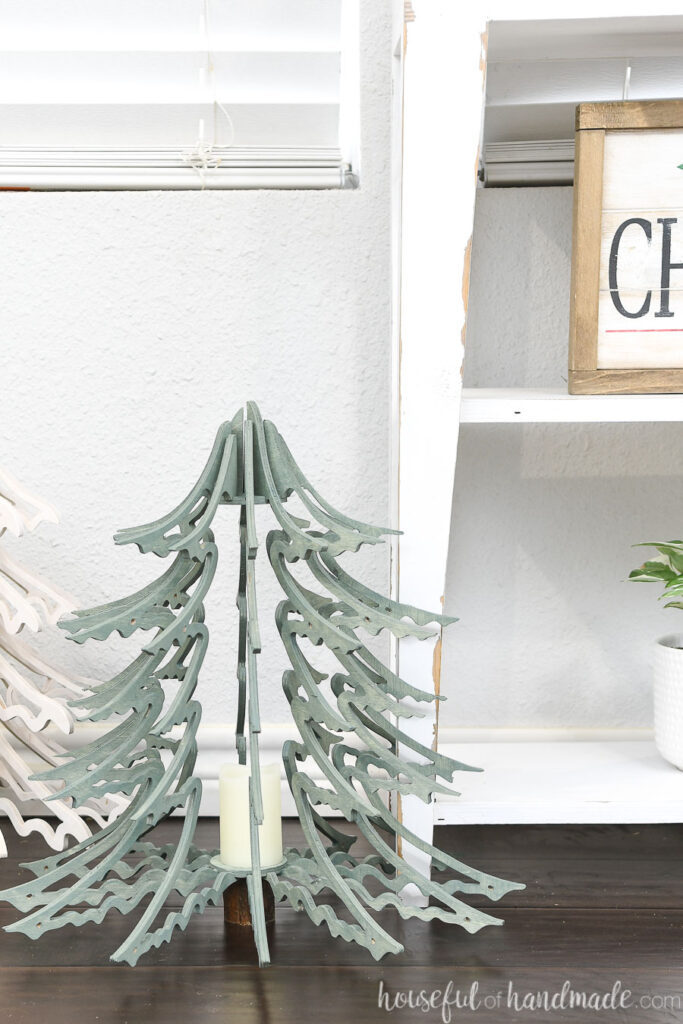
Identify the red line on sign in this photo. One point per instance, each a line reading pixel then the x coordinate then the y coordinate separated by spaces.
pixel 643 330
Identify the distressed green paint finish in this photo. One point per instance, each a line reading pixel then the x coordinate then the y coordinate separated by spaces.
pixel 349 726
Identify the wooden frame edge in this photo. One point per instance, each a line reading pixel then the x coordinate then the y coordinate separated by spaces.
pixel 659 381
pixel 585 274
pixel 629 114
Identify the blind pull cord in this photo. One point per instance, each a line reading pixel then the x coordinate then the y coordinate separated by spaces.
pixel 202 156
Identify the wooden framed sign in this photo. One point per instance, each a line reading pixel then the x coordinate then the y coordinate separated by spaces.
pixel 626 321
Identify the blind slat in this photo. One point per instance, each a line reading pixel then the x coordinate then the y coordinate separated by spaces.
pixel 169 24
pixel 147 126
pixel 141 78
pixel 515 83
pixel 571 38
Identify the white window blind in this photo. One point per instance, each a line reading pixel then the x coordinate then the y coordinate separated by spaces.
pixel 537 72
pixel 172 93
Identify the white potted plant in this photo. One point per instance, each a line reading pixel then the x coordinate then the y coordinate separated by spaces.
pixel 667 568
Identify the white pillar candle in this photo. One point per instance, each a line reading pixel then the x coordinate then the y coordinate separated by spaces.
pixel 233 795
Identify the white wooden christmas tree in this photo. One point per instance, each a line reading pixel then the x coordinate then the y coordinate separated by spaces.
pixel 34 696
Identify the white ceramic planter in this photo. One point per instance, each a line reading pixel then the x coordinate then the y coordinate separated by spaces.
pixel 668 687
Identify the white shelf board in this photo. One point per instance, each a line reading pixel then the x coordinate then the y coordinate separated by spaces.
pixel 596 782
pixel 543 405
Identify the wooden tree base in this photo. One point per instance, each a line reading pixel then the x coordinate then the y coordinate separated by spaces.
pixel 236 904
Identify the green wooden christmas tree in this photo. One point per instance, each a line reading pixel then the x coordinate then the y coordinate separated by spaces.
pixel 151 754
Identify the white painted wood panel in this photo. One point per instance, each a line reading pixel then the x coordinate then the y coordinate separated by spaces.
pixel 563 783
pixel 638 347
pixel 641 170
pixel 434 265
pixel 642 218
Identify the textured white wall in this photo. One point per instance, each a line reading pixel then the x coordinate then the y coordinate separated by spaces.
pixel 544 516
pixel 132 324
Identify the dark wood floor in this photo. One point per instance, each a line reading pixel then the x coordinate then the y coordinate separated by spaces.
pixel 603 905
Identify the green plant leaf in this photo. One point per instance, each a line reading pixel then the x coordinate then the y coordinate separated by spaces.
pixel 652 572
pixel 673 550
pixel 665 545
pixel 659 544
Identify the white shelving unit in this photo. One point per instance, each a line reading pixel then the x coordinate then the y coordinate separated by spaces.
pixel 531 90
pixel 596 782
pixel 541 405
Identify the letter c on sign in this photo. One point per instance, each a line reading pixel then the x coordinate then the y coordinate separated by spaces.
pixel 646 225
